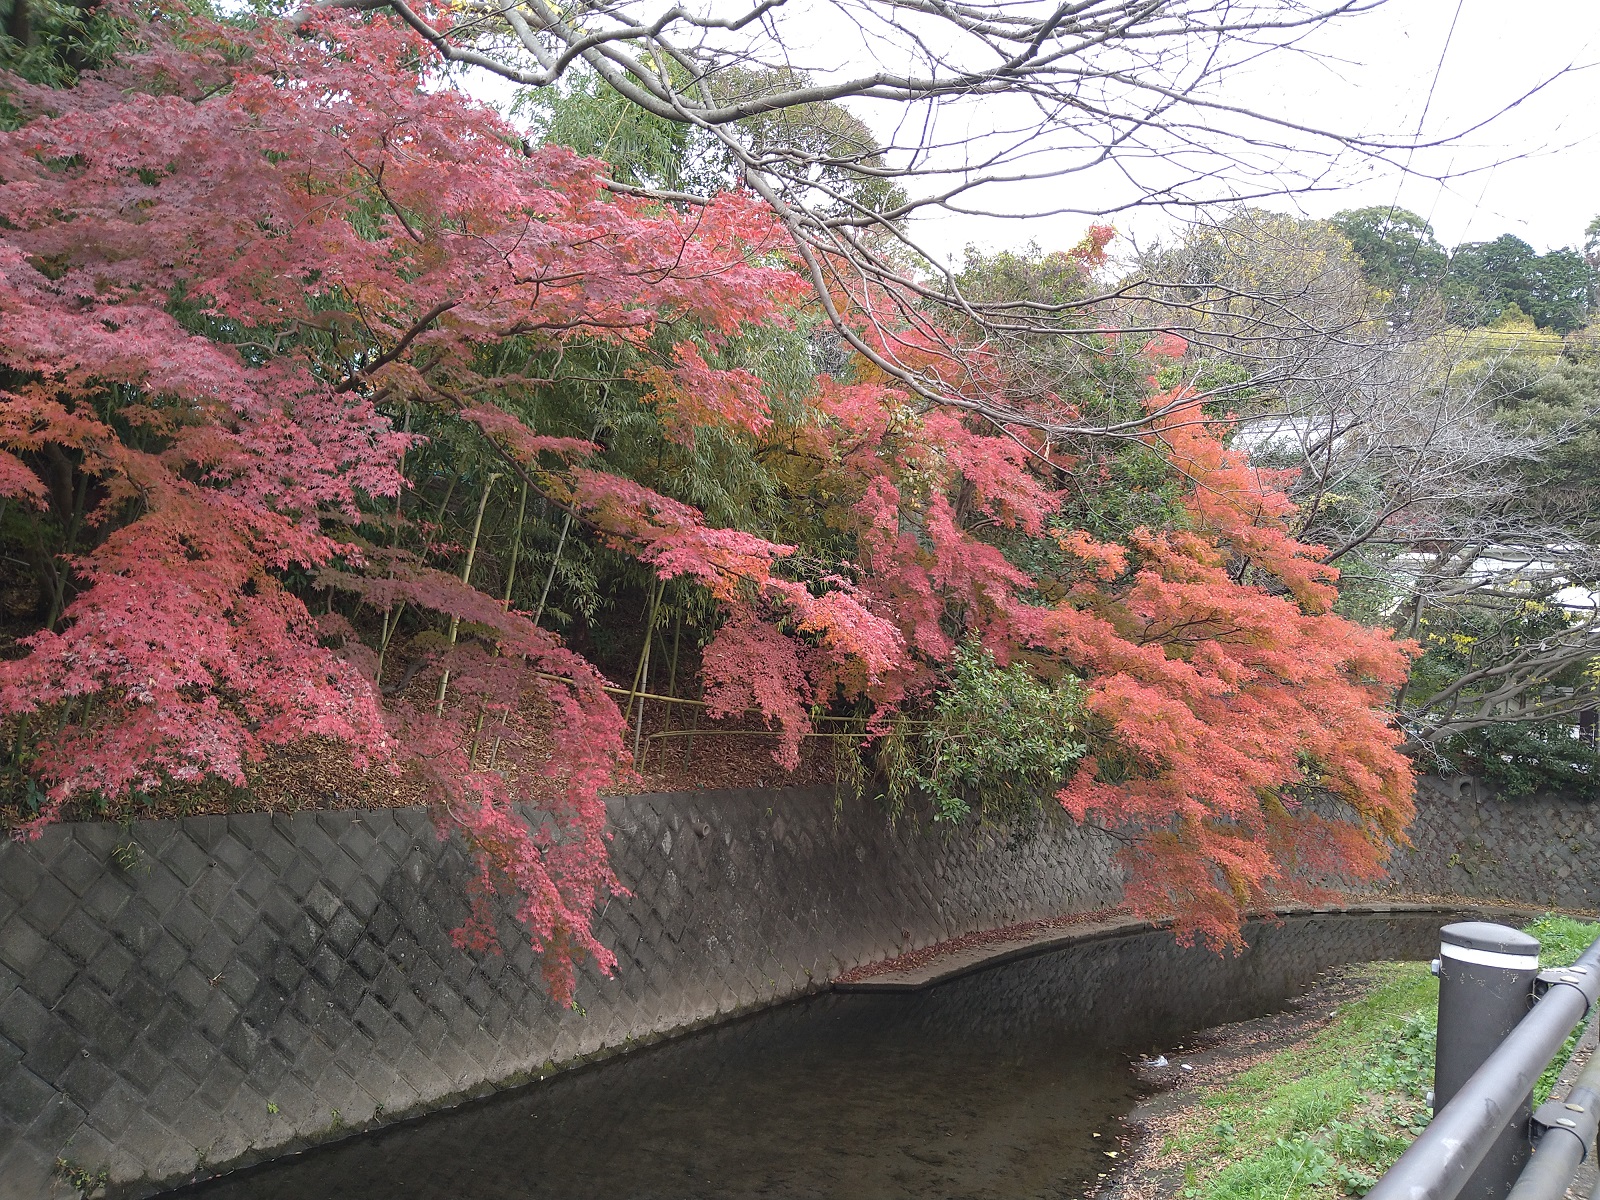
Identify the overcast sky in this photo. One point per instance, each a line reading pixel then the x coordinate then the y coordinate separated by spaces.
pixel 1434 66
pixel 1497 52
pixel 1374 73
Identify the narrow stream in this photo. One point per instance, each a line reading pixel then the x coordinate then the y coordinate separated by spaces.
pixel 992 1085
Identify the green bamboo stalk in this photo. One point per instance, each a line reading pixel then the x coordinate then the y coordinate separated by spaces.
pixel 694 725
pixel 388 634
pixel 400 495
pixel 561 542
pixel 516 545
pixel 641 672
pixel 544 593
pixel 394 538
pixel 677 638
pixel 638 728
pixel 505 602
pixel 466 578
pixel 450 490
pixel 672 666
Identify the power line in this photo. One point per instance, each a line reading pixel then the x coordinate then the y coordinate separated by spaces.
pixel 1422 120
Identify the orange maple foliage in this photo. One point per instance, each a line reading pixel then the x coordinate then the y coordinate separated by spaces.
pixel 1240 734
pixel 1245 729
pixel 346 241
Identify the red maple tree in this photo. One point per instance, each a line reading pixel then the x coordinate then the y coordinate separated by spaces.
pixel 1239 727
pixel 220 257
pixel 228 262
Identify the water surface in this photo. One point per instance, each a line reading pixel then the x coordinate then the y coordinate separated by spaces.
pixel 992 1085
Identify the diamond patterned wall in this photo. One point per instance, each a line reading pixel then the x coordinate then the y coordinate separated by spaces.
pixel 1468 841
pixel 180 996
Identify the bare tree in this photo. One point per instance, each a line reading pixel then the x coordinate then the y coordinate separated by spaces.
pixel 1430 501
pixel 1436 505
pixel 977 98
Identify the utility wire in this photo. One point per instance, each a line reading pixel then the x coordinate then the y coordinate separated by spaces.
pixel 1422 120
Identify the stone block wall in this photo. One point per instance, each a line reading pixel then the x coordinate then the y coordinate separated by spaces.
pixel 1469 841
pixel 180 996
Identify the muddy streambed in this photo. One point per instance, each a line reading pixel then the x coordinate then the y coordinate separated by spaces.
pixel 992 1085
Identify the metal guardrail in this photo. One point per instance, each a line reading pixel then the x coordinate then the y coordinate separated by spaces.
pixel 1483 1142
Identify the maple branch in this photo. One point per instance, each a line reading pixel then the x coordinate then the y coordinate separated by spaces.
pixel 647 193
pixel 1103 86
pixel 413 669
pixel 377 182
pixel 356 378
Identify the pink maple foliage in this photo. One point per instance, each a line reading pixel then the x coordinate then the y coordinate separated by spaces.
pixel 692 395
pixel 229 260
pixel 219 256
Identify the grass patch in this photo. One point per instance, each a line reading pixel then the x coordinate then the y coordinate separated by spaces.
pixel 1562 939
pixel 1324 1119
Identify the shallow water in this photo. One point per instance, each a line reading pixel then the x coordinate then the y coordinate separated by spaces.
pixel 992 1085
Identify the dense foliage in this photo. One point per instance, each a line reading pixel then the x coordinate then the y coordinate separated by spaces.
pixel 220 258
pixel 1478 282
pixel 333 409
pixel 996 737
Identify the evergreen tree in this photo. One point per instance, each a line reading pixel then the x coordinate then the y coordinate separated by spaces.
pixel 1555 289
pixel 1398 251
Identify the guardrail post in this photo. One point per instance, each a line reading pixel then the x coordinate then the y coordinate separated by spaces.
pixel 1448 1153
pixel 1486 974
pixel 1568 1132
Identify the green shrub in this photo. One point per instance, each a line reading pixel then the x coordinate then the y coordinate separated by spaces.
pixel 998 740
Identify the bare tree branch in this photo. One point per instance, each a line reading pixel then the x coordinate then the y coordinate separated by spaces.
pixel 980 96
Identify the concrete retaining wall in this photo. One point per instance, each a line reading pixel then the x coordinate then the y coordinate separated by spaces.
pixel 184 995
pixel 180 996
pixel 1469 841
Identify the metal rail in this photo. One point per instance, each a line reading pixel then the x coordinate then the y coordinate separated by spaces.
pixel 1446 1156
pixel 1566 1132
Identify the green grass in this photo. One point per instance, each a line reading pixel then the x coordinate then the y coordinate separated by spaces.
pixel 1562 939
pixel 1325 1118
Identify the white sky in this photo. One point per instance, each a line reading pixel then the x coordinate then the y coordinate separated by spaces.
pixel 1497 52
pixel 1370 73
pixel 1374 74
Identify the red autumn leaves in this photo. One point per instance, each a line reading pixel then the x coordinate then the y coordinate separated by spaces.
pixel 228 263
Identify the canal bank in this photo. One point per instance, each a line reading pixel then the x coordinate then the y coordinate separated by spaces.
pixel 1007 1082
pixel 1311 1103
pixel 182 997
